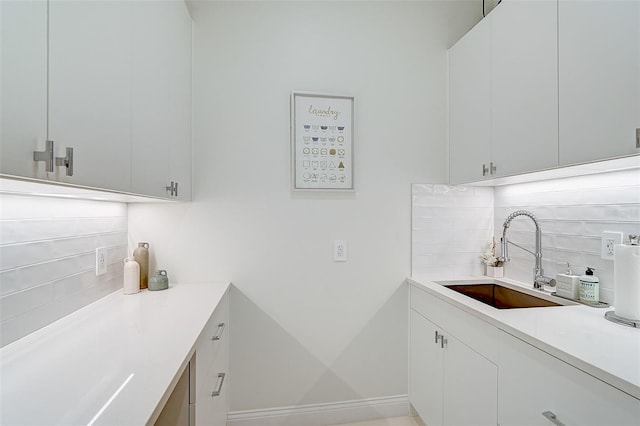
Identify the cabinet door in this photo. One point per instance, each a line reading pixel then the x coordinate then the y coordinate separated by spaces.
pixel 23 74
pixel 470 386
pixel 524 91
pixel 90 90
pixel 531 382
pixel 470 105
pixel 425 378
pixel 180 101
pixel 161 98
pixel 150 104
pixel 599 72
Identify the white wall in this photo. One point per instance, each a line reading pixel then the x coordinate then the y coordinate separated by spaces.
pixel 306 329
pixel 47 258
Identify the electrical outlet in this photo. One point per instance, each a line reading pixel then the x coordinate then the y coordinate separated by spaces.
pixel 609 240
pixel 101 260
pixel 340 250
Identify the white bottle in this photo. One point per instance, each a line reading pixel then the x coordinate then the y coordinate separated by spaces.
pixel 589 287
pixel 131 276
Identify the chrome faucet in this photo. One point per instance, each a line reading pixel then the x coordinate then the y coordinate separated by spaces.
pixel 539 279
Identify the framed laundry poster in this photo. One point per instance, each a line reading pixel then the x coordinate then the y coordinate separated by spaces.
pixel 321 142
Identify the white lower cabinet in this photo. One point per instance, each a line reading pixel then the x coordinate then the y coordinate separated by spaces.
pixel 535 388
pixel 212 358
pixel 450 383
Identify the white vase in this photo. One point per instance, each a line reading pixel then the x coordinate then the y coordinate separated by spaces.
pixel 495 271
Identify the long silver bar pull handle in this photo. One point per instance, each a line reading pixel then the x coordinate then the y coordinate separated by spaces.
pixel 46 156
pixel 219 333
pixel 553 418
pixel 443 341
pixel 218 389
pixel 66 161
pixel 438 337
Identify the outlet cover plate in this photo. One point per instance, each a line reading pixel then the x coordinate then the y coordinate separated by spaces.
pixel 101 260
pixel 609 240
pixel 340 250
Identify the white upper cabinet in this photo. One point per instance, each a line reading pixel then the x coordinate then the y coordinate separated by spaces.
pixel 599 71
pixel 109 79
pixel 90 90
pixel 23 74
pixel 524 86
pixel 470 105
pixel 161 99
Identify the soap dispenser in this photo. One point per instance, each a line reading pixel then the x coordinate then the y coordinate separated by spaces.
pixel 568 284
pixel 589 287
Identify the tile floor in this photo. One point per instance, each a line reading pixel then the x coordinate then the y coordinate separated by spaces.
pixel 394 421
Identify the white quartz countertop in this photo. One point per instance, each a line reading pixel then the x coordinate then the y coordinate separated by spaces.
pixel 577 334
pixel 113 362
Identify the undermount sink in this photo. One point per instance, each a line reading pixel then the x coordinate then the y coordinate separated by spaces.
pixel 500 297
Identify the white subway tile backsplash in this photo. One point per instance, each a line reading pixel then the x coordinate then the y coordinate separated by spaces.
pixel 452 226
pixel 572 212
pixel 47 258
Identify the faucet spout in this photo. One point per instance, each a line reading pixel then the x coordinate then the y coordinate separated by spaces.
pixel 539 280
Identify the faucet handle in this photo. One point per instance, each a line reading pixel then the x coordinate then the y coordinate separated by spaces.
pixel 542 280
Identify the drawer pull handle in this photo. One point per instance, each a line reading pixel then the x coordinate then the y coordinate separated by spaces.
pixel 218 335
pixel 552 418
pixel 438 337
pixel 443 341
pixel 216 392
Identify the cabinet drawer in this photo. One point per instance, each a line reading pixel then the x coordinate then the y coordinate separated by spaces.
pixel 475 333
pixel 532 382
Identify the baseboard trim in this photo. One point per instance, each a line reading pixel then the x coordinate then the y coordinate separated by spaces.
pixel 323 414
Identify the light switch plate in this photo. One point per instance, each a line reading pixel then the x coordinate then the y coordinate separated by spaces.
pixel 609 240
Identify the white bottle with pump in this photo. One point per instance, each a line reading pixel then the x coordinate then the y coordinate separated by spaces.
pixel 589 287
pixel 131 276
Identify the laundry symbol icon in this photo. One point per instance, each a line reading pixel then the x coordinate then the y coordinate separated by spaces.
pixel 341 165
pixel 305 164
pixel 332 165
pixel 306 151
pixel 323 165
pixel 314 164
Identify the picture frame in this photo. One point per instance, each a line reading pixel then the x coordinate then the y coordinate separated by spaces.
pixel 322 142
